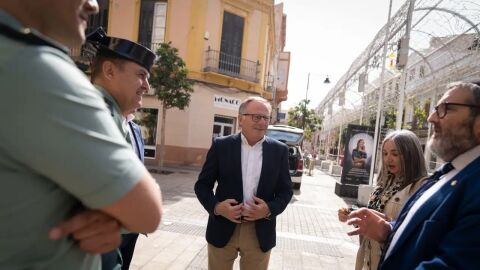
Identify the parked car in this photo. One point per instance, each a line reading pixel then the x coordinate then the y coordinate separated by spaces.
pixel 292 137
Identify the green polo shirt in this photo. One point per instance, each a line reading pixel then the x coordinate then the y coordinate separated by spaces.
pixel 114 109
pixel 60 150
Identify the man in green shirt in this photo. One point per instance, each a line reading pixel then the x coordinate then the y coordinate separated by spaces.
pixel 60 151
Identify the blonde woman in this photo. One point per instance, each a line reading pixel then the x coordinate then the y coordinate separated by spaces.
pixel 402 171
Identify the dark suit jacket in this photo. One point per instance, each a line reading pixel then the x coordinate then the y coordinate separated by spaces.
pixel 445 231
pixel 113 260
pixel 138 139
pixel 223 165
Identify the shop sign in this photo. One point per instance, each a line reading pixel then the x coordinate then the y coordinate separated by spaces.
pixel 226 102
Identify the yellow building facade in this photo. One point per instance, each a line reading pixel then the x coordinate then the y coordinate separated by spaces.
pixel 233 49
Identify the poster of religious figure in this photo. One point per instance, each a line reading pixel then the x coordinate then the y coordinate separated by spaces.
pixel 358 155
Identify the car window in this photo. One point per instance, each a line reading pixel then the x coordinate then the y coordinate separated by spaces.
pixel 284 136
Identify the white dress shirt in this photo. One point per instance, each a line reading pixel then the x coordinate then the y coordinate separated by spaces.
pixel 459 163
pixel 252 157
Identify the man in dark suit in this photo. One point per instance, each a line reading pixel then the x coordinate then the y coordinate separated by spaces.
pixel 120 71
pixel 253 187
pixel 129 240
pixel 438 226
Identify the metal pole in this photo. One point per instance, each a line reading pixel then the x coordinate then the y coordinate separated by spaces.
pixel 380 98
pixel 363 104
pixel 327 146
pixel 305 103
pixel 308 83
pixel 274 95
pixel 340 135
pixel 427 153
pixel 403 80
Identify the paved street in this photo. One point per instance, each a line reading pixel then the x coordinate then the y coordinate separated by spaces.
pixel 309 235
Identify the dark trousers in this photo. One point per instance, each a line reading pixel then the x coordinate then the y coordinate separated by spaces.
pixel 126 248
pixel 112 260
pixel 121 257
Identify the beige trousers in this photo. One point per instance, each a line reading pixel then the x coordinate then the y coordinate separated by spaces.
pixel 244 241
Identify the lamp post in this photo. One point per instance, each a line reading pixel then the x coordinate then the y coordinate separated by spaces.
pixel 326 81
pixel 305 103
pixel 376 136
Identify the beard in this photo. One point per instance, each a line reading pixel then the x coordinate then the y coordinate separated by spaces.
pixel 448 143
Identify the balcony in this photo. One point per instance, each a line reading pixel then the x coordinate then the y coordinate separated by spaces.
pixel 268 83
pixel 230 65
pixel 80 57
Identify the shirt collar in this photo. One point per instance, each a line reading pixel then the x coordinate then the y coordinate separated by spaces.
pixel 462 160
pixel 109 97
pixel 245 142
pixel 130 117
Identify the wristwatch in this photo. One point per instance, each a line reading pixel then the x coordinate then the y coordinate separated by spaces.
pixel 268 216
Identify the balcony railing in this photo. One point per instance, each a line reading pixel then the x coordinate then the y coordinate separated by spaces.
pixel 220 62
pixel 268 83
pixel 76 52
pixel 81 57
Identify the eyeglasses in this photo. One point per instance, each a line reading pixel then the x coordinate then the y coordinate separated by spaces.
pixel 442 108
pixel 258 117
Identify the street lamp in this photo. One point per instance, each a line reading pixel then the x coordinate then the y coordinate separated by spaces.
pixel 326 81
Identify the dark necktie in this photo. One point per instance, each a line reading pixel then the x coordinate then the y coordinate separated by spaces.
pixel 126 130
pixel 447 167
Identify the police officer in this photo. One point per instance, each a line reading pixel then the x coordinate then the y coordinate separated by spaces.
pixel 120 71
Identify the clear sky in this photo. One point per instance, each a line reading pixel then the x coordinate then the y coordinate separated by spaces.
pixel 324 37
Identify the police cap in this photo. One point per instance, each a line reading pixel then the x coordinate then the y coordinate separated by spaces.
pixel 123 48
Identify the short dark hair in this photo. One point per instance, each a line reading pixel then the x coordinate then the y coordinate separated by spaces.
pixel 102 57
pixel 475 90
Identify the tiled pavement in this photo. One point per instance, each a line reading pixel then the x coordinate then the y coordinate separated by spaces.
pixel 309 235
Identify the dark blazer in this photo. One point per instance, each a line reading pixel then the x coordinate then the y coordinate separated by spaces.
pixel 445 231
pixel 137 135
pixel 129 240
pixel 223 165
pixel 112 259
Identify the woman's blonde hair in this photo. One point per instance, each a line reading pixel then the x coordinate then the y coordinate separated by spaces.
pixel 410 150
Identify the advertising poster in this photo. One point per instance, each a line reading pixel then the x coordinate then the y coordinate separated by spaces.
pixel 358 155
